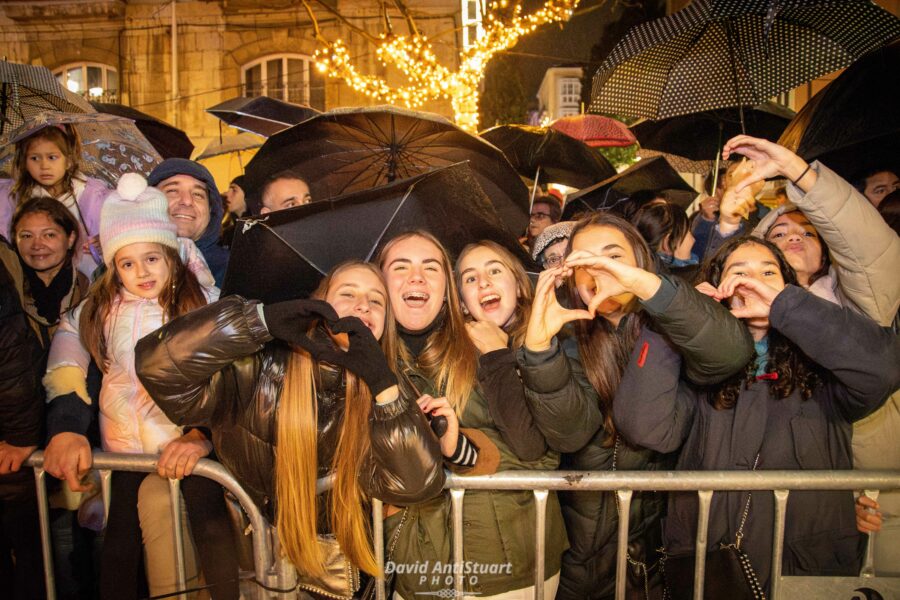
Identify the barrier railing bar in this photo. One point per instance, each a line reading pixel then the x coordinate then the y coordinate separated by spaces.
pixel 44 523
pixel 378 535
pixel 175 506
pixel 781 498
pixel 540 541
pixel 456 503
pixel 623 499
pixel 105 490
pixel 704 500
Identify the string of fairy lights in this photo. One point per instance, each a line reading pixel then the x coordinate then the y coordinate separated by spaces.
pixel 427 79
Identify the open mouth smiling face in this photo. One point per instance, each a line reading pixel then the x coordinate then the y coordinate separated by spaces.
pixel 416 280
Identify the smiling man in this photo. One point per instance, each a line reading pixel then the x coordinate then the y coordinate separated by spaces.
pixel 284 190
pixel 195 206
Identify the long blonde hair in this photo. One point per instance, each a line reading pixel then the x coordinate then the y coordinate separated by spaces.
pixel 449 357
pixel 524 289
pixel 296 458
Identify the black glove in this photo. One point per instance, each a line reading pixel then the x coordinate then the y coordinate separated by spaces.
pixel 290 321
pixel 364 357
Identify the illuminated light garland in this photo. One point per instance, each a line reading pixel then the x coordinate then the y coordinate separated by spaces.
pixel 414 57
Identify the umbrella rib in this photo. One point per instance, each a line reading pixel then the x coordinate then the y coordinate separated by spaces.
pixel 389 222
pixel 292 249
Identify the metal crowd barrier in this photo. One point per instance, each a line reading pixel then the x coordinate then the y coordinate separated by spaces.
pixel 277 574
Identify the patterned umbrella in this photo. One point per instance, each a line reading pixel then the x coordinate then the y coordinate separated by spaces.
pixel 853 124
pixel 595 130
pixel 110 145
pixel 26 90
pixel 719 53
pixel 168 140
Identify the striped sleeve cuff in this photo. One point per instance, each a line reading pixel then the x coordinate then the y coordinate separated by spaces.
pixel 466 453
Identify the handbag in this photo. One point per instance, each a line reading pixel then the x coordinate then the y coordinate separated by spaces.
pixel 643 581
pixel 729 575
pixel 341 579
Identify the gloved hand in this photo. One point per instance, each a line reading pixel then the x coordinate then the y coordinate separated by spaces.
pixel 364 357
pixel 290 321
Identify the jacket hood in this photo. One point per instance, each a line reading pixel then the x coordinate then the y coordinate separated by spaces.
pixel 182 166
pixel 766 222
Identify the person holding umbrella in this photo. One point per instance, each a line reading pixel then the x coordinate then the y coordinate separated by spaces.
pixel 296 390
pixel 437 356
pixel 46 163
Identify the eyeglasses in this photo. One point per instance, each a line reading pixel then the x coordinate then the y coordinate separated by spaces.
pixel 538 216
pixel 552 261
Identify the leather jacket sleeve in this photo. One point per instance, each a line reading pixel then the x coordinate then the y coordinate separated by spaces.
pixel 405 465
pixel 182 364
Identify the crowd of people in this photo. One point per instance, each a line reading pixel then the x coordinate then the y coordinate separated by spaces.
pixel 736 338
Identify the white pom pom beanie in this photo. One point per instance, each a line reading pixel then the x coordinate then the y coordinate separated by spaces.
pixel 135 213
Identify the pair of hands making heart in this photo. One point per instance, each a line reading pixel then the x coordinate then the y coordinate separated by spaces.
pixel 750 298
pixel 290 321
pixel 614 284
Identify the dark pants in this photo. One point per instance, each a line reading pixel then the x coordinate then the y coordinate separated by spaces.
pixel 21 561
pixel 120 563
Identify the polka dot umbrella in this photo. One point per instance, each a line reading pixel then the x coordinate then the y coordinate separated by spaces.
pixel 720 53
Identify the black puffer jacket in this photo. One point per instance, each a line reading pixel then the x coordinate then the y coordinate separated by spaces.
pixel 567 410
pixel 219 368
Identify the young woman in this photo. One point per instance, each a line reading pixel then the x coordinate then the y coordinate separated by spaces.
pixel 145 284
pixel 296 390
pixel 571 392
pixel 496 297
pixel 666 229
pixel 46 164
pixel 437 354
pixel 818 368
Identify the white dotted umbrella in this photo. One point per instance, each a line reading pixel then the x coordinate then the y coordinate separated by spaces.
pixel 721 53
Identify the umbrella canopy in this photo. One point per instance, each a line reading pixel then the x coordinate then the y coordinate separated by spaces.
pixel 347 150
pixel 700 136
pixel 261 115
pixel 595 130
pixel 284 254
pixel 110 145
pixel 231 145
pixel 226 157
pixel 560 158
pixel 650 174
pixel 168 140
pixel 853 124
pixel 680 163
pixel 718 53
pixel 26 90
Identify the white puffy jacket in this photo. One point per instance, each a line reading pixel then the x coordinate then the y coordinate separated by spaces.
pixel 130 421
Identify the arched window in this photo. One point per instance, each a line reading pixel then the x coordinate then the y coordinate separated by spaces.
pixel 288 77
pixel 94 81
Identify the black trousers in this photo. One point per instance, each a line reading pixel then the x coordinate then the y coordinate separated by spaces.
pixel 21 561
pixel 120 562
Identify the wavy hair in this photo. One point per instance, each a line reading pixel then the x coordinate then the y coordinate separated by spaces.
pixel 181 294
pixel 794 370
pixel 296 456
pixel 68 142
pixel 603 347
pixel 524 288
pixel 449 357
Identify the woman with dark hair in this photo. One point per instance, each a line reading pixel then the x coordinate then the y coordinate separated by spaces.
pixel 666 229
pixel 45 234
pixel 439 355
pixel 818 368
pixel 293 391
pixel 571 386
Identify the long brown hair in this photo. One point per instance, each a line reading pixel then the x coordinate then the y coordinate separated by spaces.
pixel 794 370
pixel 68 143
pixel 181 294
pixel 524 289
pixel 449 357
pixel 296 457
pixel 604 348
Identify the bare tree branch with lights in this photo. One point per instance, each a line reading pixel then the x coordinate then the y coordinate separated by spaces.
pixel 413 55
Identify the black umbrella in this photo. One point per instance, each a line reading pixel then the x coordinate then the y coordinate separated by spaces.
pixel 648 174
pixel 347 150
pixel 261 115
pixel 26 90
pixel 700 136
pixel 719 53
pixel 168 140
pixel 561 159
pixel 284 254
pixel 853 125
